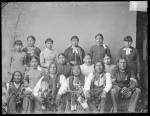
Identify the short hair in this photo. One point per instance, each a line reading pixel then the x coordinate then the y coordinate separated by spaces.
pixel 32 37
pixel 18 42
pixel 88 54
pixel 35 57
pixel 107 55
pixel 101 63
pixel 99 34
pixel 48 40
pixel 12 79
pixel 75 37
pixel 128 38
pixel 61 54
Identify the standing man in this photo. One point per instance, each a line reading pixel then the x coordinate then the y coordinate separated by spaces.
pixel 74 54
pixel 31 49
pixel 132 56
pixel 124 86
pixel 99 50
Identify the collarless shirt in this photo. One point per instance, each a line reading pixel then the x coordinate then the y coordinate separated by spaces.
pixel 47 56
pixel 98 52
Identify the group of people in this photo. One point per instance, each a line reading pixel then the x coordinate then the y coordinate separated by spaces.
pixel 45 81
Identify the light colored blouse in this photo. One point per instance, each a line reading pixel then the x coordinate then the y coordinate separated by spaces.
pixel 99 82
pixel 47 56
pixel 86 70
pixel 17 61
pixel 109 68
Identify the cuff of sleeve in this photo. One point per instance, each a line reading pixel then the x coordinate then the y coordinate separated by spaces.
pixel 106 90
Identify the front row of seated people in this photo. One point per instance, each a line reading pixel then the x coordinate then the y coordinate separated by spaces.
pixel 85 90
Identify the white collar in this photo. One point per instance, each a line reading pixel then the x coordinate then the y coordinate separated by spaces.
pixel 128 50
pixel 75 49
pixel 16 85
pixel 104 45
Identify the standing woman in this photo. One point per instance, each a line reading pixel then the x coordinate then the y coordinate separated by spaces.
pixel 17 58
pixel 48 55
pixel 31 49
pixel 74 54
pixel 132 56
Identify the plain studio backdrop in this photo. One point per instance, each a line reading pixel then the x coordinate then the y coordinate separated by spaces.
pixel 60 21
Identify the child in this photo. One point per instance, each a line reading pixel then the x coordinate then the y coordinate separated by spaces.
pixel 109 67
pixel 87 67
pixel 26 93
pixel 17 58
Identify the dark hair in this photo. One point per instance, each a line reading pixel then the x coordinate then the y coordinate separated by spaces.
pixel 121 59
pixel 99 34
pixel 26 78
pixel 18 42
pixel 107 55
pixel 35 57
pixel 32 37
pixel 88 54
pixel 61 54
pixel 75 37
pixel 50 66
pixel 128 38
pixel 101 63
pixel 76 65
pixel 118 63
pixel 48 40
pixel 12 79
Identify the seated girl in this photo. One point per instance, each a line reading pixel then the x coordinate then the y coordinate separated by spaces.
pixel 87 67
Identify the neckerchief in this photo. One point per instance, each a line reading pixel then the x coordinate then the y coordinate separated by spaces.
pixel 128 50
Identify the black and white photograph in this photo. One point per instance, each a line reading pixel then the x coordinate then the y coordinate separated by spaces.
pixel 74 57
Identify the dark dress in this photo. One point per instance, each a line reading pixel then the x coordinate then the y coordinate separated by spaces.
pixel 78 57
pixel 31 51
pixel 64 69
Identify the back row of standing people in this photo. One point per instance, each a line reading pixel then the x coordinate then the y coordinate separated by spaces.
pixel 20 58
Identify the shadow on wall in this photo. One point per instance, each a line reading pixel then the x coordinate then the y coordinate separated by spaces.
pixel 62 20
